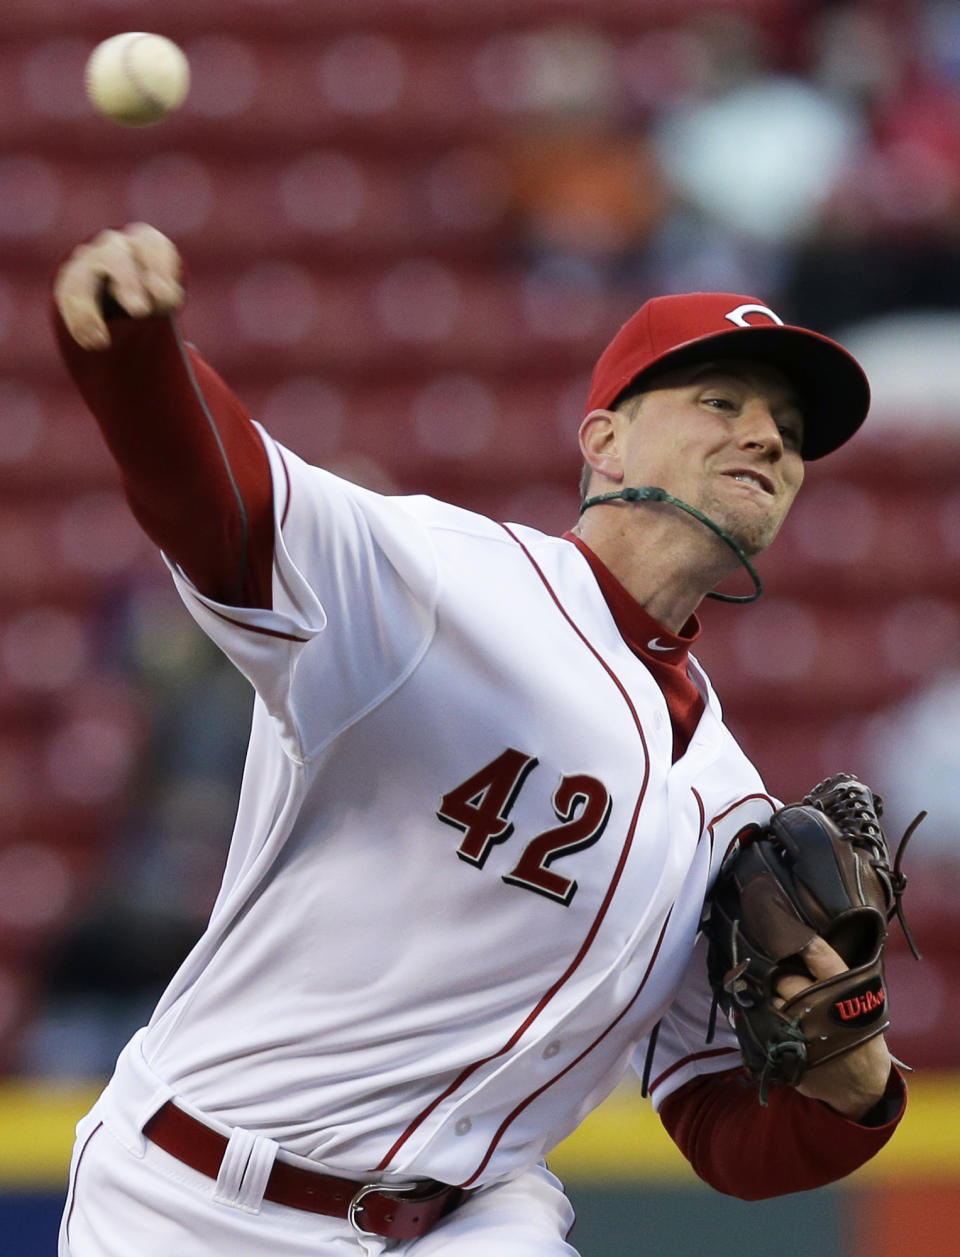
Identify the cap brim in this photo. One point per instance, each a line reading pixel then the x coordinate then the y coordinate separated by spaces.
pixel 832 389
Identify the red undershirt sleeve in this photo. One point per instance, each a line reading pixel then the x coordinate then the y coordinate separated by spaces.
pixel 793 1145
pixel 194 468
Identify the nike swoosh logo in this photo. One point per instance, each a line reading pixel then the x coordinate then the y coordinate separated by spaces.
pixel 652 645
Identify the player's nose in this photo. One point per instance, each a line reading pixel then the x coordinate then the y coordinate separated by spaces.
pixel 758 429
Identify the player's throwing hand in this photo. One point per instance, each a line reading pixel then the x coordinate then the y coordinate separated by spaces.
pixel 138 267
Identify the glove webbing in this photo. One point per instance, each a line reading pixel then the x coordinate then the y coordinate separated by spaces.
pixel 857 824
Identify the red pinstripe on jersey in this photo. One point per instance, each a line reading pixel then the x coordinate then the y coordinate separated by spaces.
pixel 604 906
pixel 665 654
pixel 709 1053
pixel 706 1054
pixel 747 798
pixel 511 1117
pixel 254 628
pixel 704 828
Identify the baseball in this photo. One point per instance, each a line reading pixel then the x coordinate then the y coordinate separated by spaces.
pixel 137 79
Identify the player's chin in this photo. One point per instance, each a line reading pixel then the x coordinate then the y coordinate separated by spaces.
pixel 755 541
pixel 752 531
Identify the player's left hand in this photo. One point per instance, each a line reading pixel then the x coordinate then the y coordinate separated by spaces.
pixel 854 1082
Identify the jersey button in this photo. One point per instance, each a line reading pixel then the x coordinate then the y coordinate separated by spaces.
pixel 463 1127
pixel 551 1049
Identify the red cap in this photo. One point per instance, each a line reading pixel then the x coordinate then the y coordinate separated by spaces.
pixel 669 332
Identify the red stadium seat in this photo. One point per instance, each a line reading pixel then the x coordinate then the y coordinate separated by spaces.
pixel 48 442
pixel 39 884
pixel 852 542
pixel 43 649
pixel 63 551
pixel 809 657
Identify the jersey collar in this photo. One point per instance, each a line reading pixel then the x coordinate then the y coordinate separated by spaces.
pixel 642 633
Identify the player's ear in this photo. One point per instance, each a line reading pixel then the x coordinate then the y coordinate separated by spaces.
pixel 600 446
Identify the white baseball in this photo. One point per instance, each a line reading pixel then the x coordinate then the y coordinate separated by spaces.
pixel 136 79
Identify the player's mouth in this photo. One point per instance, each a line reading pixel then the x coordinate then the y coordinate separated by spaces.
pixel 755 478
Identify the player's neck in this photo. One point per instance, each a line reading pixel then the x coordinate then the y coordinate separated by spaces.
pixel 665 564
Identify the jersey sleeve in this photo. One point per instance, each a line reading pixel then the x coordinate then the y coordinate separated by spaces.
pixel 193 467
pixel 793 1144
pixel 352 604
pixel 678 1050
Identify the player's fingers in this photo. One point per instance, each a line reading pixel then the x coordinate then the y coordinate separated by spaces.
pixel 789 986
pixel 106 260
pixel 821 960
pixel 111 262
pixel 76 292
pixel 113 253
pixel 159 264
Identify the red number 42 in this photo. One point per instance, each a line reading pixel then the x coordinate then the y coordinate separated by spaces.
pixel 480 808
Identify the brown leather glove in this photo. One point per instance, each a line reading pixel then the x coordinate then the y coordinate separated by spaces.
pixel 820 867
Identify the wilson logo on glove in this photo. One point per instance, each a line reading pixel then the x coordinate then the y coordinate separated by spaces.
pixel 861 1006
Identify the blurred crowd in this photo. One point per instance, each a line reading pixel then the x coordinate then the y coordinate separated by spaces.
pixel 807 153
pixel 816 159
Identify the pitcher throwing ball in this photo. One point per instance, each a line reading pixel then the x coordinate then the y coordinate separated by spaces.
pixel 487 794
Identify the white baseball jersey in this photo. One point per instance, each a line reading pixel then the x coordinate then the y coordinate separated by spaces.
pixel 466 876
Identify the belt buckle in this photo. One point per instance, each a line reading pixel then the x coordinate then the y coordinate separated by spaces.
pixel 368 1189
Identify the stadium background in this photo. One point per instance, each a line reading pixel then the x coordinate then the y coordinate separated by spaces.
pixel 410 227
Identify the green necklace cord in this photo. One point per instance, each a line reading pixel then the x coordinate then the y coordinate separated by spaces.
pixel 649 493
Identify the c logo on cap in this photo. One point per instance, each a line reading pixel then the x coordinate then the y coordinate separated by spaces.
pixel 739 316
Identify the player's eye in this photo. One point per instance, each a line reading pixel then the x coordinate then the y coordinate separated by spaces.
pixel 791 435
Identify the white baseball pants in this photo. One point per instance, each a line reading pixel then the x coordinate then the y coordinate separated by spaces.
pixel 127 1195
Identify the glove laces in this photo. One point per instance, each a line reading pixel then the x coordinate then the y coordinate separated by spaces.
pixel 856 809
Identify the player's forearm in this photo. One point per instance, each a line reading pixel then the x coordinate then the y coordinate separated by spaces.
pixel 793 1144
pixel 194 468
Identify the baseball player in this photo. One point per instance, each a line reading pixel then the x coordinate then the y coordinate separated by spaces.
pixel 487 789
